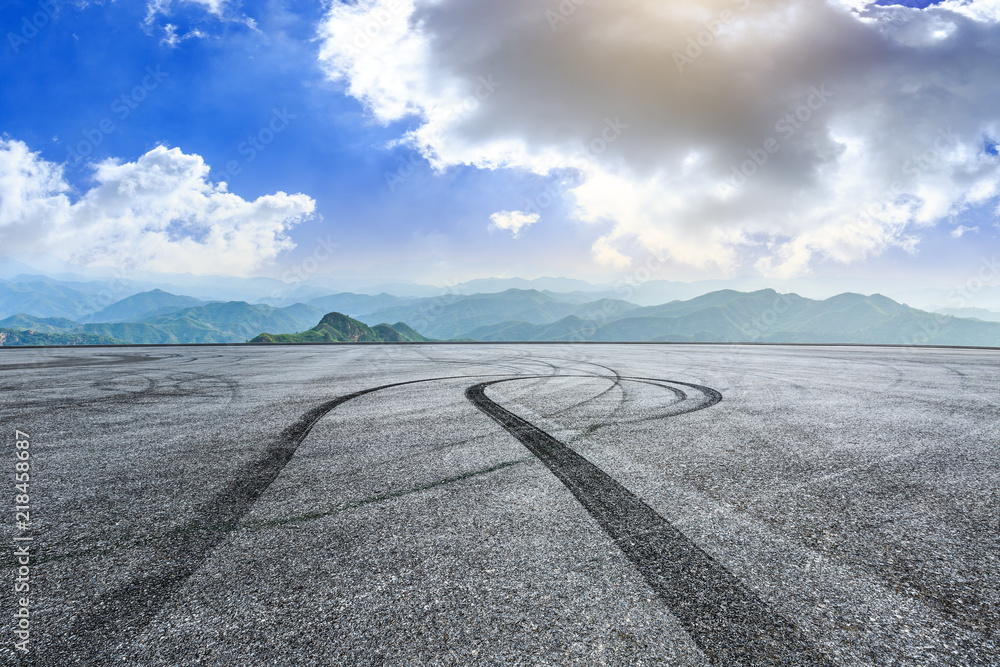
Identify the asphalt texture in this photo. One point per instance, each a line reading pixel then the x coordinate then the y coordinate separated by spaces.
pixel 505 504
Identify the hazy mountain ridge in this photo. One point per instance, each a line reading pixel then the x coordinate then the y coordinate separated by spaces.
pixel 937 295
pixel 42 299
pixel 139 306
pixel 221 322
pixel 524 315
pixel 453 316
pixel 763 316
pixel 972 313
pixel 355 305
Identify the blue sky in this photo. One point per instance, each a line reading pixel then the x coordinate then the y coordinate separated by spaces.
pixel 220 90
pixel 81 82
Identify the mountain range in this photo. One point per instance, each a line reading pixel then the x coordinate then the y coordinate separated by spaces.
pixel 454 316
pixel 762 316
pixel 159 317
pixel 57 313
pixel 975 288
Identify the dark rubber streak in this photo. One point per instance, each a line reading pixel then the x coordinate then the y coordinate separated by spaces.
pixel 66 362
pixel 127 610
pixel 730 624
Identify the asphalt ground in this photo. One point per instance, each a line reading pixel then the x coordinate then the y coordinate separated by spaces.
pixel 505 504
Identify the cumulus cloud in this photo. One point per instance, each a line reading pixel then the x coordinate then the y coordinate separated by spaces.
pixel 719 133
pixel 159 213
pixel 514 221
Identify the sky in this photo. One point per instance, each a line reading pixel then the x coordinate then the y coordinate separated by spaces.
pixel 439 141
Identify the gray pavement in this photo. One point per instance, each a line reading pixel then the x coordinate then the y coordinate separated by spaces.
pixel 241 505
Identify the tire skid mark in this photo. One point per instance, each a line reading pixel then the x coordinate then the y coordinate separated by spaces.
pixel 616 382
pixel 477 364
pixel 155 389
pixel 671 408
pixel 125 611
pixel 100 360
pixel 730 624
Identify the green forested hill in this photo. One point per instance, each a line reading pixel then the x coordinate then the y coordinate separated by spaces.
pixel 16 337
pixel 339 328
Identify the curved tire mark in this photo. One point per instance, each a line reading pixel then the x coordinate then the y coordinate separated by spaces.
pixel 730 624
pixel 125 611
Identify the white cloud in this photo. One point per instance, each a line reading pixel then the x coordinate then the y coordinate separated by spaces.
pixel 981 10
pixel 655 103
pixel 962 230
pixel 514 221
pixel 223 11
pixel 171 38
pixel 157 7
pixel 159 213
pixel 154 8
pixel 214 6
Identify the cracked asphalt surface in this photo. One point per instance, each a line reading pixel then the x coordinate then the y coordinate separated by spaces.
pixel 507 504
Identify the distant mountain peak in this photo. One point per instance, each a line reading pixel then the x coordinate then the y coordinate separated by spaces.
pixel 339 328
pixel 138 306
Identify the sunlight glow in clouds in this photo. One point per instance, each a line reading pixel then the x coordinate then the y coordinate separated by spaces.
pixel 845 178
pixel 159 213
